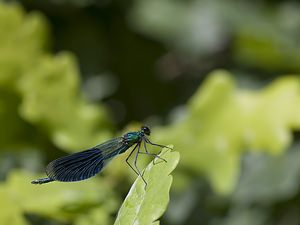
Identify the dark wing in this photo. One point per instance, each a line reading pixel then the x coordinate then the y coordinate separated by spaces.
pixel 85 164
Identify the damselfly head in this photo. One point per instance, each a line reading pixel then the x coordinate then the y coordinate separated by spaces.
pixel 146 130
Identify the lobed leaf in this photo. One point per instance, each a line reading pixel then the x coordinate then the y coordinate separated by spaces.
pixel 221 122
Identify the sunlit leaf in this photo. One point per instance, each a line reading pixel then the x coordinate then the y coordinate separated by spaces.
pixel 146 206
pixel 51 99
pixel 23 39
pixel 222 121
pixel 65 202
pixel 41 91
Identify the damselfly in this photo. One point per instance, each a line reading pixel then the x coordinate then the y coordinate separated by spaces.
pixel 85 164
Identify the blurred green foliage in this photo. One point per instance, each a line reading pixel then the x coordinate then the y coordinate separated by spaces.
pixel 61 202
pixel 237 132
pixel 40 90
pixel 41 102
pixel 66 115
pixel 263 36
pixel 221 122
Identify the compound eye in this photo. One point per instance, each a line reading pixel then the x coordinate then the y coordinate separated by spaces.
pixel 146 130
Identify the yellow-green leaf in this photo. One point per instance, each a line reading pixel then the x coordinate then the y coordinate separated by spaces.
pixel 222 121
pixel 146 205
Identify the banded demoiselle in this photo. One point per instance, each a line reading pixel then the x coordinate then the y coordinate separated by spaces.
pixel 83 165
